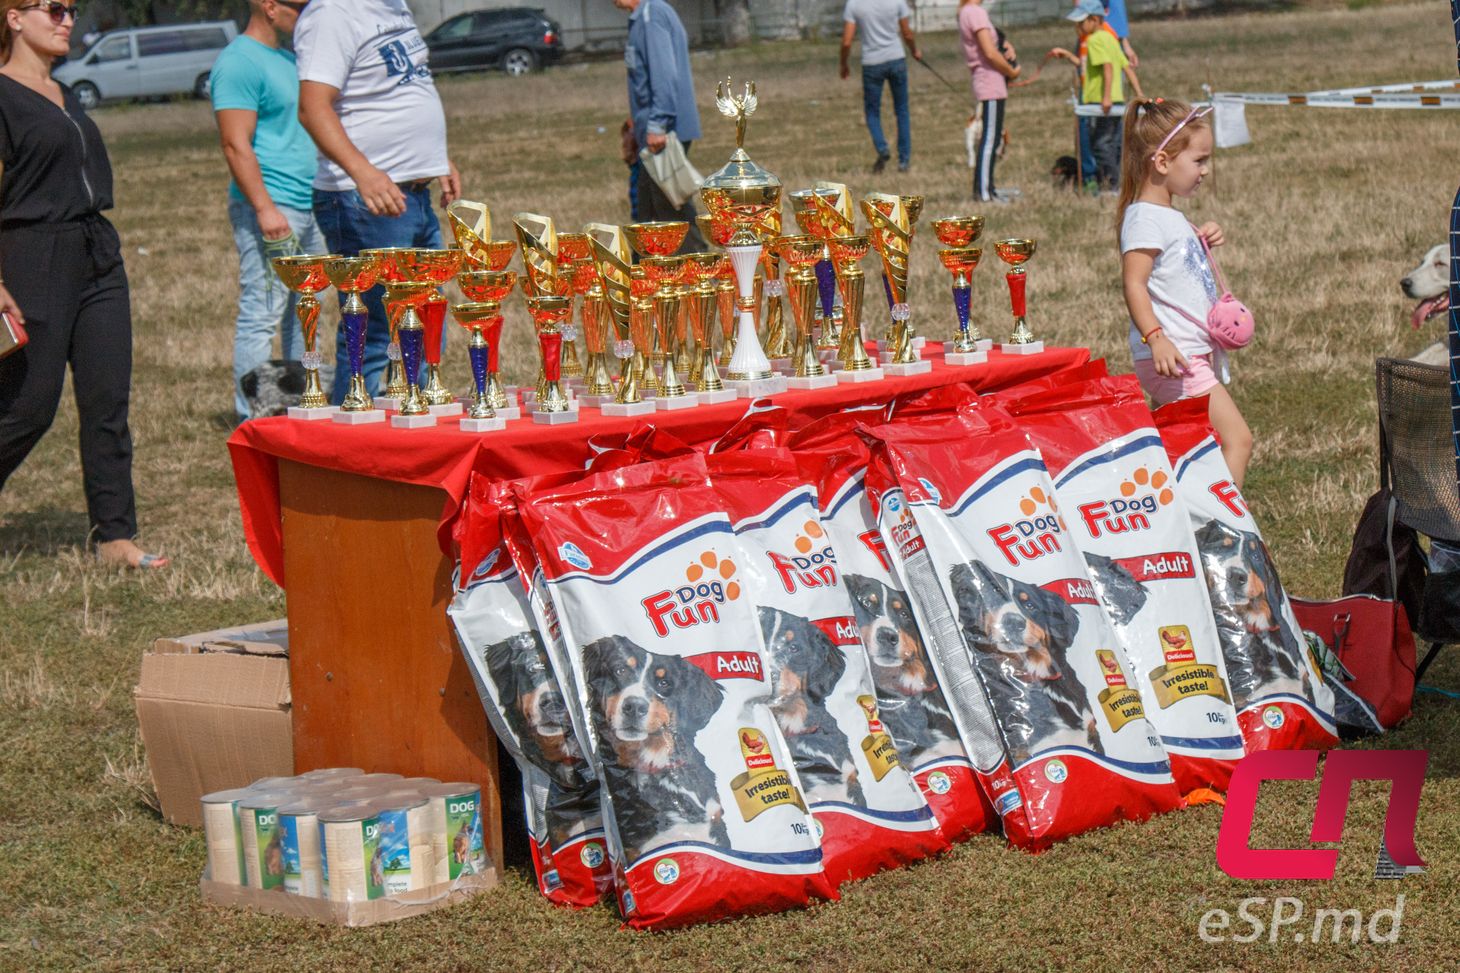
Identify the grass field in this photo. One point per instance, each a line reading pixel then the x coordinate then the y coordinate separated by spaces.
pixel 1324 212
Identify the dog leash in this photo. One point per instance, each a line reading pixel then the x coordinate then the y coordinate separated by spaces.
pixel 950 85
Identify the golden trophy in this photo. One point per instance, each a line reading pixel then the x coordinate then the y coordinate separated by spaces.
pixel 305 276
pixel 537 238
pixel 492 287
pixel 478 317
pixel 959 257
pixel 642 330
pixel 777 340
pixel 613 260
pixel 396 265
pixel 549 314
pixel 351 275
pixel 437 266
pixel 709 270
pixel 801 254
pixel 415 412
pixel 892 235
pixel 741 195
pixel 572 247
pixel 1016 253
pixel 471 225
pixel 597 379
pixel 653 241
pixel 847 253
pixel 827 213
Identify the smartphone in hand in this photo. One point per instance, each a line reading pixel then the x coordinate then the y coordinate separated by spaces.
pixel 12 335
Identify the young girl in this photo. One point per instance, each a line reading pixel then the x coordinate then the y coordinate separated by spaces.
pixel 990 66
pixel 1168 281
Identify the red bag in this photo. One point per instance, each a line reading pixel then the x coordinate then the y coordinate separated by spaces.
pixel 1372 638
pixel 12 335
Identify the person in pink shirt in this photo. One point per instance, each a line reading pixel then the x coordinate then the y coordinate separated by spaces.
pixel 991 71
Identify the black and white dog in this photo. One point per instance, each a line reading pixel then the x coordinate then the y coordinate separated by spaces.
pixel 1263 656
pixel 805 667
pixel 910 701
pixel 1020 634
pixel 646 709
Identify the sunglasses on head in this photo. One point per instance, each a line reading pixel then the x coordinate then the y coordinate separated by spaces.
pixel 55 9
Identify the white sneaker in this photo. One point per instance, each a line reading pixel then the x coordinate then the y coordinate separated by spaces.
pixel 1007 194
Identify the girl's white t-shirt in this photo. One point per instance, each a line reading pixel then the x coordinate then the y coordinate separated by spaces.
pixel 1182 276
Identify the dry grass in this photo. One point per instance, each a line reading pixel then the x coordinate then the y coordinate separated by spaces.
pixel 1324 213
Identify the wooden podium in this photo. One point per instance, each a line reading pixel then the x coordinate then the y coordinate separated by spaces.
pixel 377 679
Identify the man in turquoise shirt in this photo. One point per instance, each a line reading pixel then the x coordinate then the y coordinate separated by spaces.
pixel 255 91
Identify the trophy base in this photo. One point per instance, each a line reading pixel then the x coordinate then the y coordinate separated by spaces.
pixel 622 409
pixel 593 401
pixel 1032 348
pixel 483 425
pixel 555 418
pixel 911 368
pixel 985 345
pixel 808 382
pixel 669 404
pixel 757 387
pixel 846 376
pixel 965 357
pixel 717 396
pixel 782 366
pixel 312 414
pixel 412 422
pixel 883 345
pixel 449 409
pixel 508 412
pixel 390 403
pixel 358 418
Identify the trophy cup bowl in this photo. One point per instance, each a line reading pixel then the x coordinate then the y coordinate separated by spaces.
pixel 1016 253
pixel 718 234
pixel 476 316
pixel 305 276
pixel 913 206
pixel 801 254
pixel 486 285
pixel 958 231
pixel 549 314
pixel 656 239
pixel 351 275
pixel 846 254
pixel 573 247
pixel 961 262
pixel 493 254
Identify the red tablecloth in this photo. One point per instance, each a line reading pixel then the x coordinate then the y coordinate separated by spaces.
pixel 444 457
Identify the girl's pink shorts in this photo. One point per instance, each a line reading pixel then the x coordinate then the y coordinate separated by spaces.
pixel 1198 380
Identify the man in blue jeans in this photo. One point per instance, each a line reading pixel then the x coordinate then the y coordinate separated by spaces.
pixel 367 98
pixel 884 27
pixel 255 91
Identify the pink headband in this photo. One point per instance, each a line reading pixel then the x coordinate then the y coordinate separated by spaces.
pixel 1192 115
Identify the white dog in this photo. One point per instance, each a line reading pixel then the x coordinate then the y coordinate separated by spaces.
pixel 973 132
pixel 1429 284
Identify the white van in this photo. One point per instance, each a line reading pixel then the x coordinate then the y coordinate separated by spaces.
pixel 143 62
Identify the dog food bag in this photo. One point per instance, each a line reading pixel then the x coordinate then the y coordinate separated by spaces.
pixel 529 711
pixel 869 810
pixel 910 699
pixel 1117 491
pixel 705 813
pixel 1048 711
pixel 1283 702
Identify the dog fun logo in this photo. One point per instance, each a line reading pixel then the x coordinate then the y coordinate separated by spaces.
pixel 1035 533
pixel 710 584
pixel 812 566
pixel 1142 494
pixel 1227 494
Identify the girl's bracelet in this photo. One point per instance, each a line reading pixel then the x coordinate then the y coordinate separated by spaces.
pixel 1146 338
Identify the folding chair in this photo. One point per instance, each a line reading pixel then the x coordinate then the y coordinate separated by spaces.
pixel 1417 463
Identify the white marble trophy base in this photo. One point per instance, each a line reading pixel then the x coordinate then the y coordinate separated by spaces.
pixel 1033 348
pixel 782 365
pixel 809 382
pixel 686 401
pixel 555 418
pixel 412 422
pixel 314 413
pixel 985 345
pixel 358 418
pixel 717 396
pixel 758 387
pixel 911 368
pixel 390 403
pixel 508 411
pixel 965 357
pixel 622 409
pixel 593 401
pixel 449 409
pixel 865 375
pixel 483 425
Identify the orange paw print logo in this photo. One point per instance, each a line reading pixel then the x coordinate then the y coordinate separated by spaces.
pixel 1145 478
pixel 1037 498
pixel 711 566
pixel 806 540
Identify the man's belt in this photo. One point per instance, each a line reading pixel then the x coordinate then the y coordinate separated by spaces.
pixel 415 185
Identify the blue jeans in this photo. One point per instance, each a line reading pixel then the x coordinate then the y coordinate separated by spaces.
pixel 1087 155
pixel 265 305
pixel 893 73
pixel 349 228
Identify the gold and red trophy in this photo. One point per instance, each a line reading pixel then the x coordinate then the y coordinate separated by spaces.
pixel 572 248
pixel 891 220
pixel 305 276
pixel 485 291
pixel 656 244
pixel 613 260
pixel 801 254
pixel 550 309
pixel 708 296
pixel 438 267
pixel 1016 253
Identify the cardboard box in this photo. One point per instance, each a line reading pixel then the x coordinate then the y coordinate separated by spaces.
pixel 214 714
pixel 366 913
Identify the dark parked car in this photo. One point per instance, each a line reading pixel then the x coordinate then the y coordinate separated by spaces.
pixel 515 39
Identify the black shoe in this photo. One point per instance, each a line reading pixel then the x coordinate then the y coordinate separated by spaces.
pixel 881 163
pixel 903 166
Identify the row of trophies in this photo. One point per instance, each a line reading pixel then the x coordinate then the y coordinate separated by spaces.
pixel 656 317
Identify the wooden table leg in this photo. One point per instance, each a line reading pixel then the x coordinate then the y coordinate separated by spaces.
pixel 376 676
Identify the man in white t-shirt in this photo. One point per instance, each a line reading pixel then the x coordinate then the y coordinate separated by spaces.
pixel 367 99
pixel 884 28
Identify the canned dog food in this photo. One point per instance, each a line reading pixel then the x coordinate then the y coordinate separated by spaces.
pixel 457 812
pixel 223 835
pixel 299 828
pixel 263 844
pixel 391 779
pixel 405 852
pixel 332 773
pixel 351 868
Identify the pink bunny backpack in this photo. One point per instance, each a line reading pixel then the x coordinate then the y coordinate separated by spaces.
pixel 1229 323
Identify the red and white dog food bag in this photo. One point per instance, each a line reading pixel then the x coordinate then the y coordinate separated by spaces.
pixel 870 812
pixel 1026 655
pixel 705 814
pixel 910 697
pixel 1282 700
pixel 529 711
pixel 1115 484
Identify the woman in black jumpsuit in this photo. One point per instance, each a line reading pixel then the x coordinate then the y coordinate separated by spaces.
pixel 62 270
